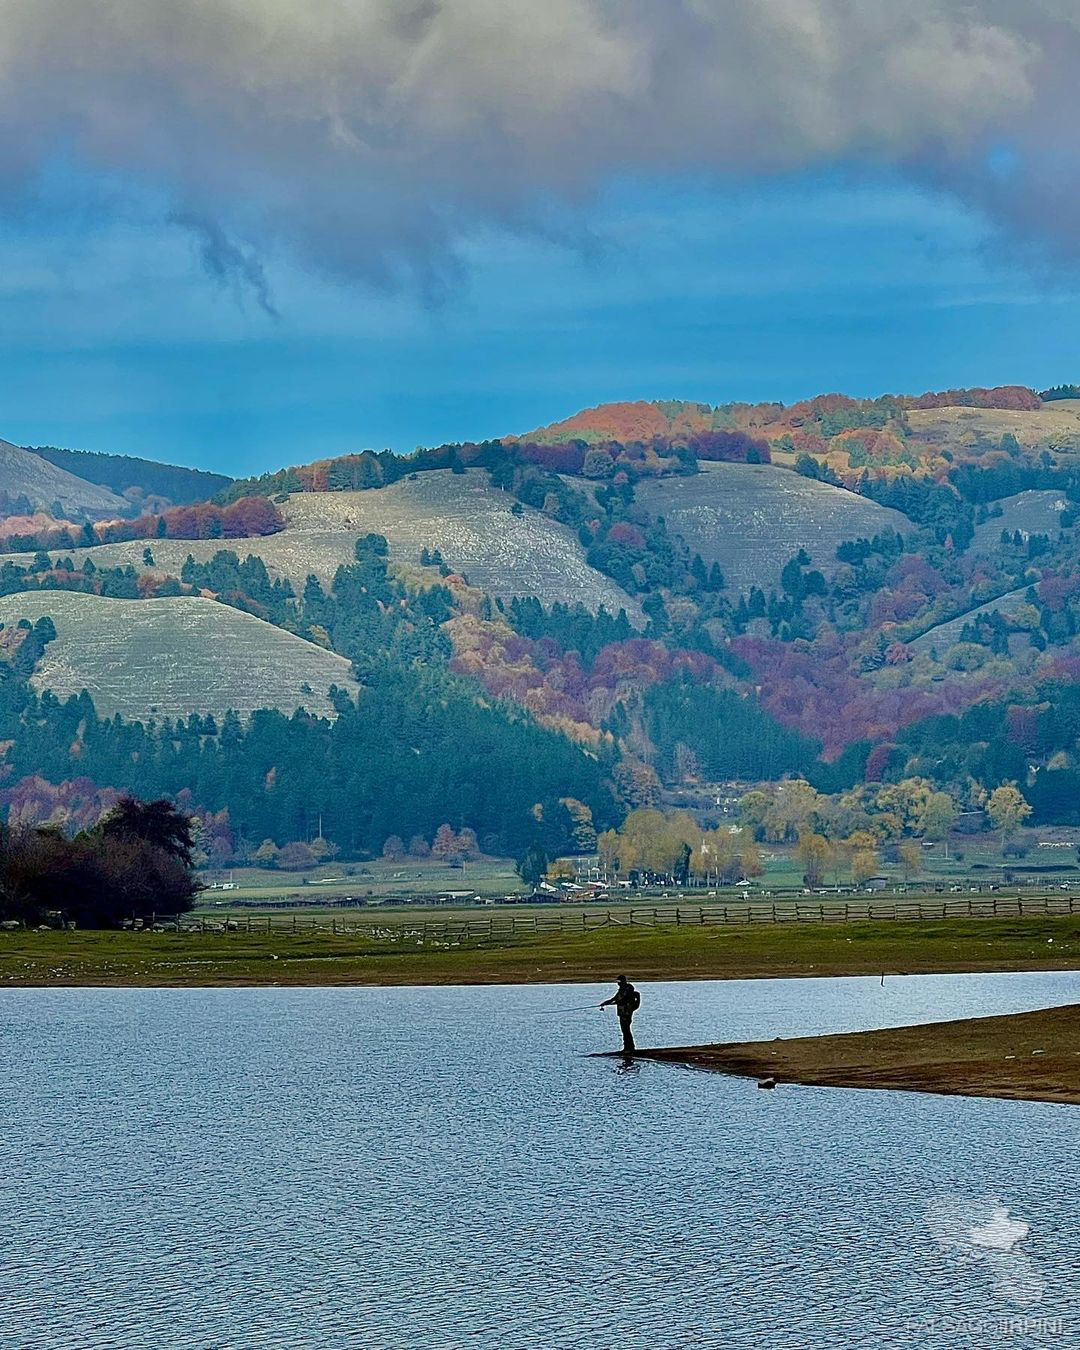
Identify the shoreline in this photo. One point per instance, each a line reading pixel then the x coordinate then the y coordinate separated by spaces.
pixel 1032 1056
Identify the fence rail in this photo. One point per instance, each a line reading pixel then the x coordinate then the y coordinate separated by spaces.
pixel 496 928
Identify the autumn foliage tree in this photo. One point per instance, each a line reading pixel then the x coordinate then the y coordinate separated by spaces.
pixel 242 519
pixel 1007 810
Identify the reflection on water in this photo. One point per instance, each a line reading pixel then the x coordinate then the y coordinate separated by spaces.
pixel 447 1168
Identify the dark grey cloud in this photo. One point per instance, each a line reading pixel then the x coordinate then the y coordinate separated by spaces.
pixel 368 137
pixel 226 262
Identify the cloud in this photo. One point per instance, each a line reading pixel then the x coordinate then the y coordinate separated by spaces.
pixel 226 262
pixel 369 137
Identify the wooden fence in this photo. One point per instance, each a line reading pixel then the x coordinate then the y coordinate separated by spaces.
pixel 503 927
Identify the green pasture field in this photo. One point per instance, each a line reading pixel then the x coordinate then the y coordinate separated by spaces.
pixel 422 882
pixel 1052 857
pixel 381 879
pixel 371 881
pixel 402 957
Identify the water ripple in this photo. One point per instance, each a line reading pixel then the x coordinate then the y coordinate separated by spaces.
pixel 444 1169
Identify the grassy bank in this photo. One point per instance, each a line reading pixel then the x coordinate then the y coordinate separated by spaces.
pixel 1035 1056
pixel 730 952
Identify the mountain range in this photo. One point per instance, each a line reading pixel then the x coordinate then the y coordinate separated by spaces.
pixel 555 627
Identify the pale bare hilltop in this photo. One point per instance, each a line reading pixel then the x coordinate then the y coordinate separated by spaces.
pixel 752 518
pixel 176 656
pixel 472 524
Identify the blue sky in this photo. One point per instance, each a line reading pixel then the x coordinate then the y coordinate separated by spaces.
pixel 114 338
pixel 706 199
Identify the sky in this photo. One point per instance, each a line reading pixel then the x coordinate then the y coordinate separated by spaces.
pixel 239 236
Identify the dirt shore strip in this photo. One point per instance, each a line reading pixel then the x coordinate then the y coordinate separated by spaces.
pixel 1033 1056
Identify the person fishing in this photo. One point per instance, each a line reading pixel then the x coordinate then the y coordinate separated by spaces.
pixel 627 1001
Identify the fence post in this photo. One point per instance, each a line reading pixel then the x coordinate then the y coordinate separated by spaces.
pixel 678 916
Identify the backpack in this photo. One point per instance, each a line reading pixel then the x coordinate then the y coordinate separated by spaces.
pixel 635 1001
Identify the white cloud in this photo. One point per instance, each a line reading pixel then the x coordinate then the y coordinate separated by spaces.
pixel 367 137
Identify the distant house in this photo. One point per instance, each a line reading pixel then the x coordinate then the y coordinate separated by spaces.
pixel 875 883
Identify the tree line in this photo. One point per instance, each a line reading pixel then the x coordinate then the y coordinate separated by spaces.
pixel 240 519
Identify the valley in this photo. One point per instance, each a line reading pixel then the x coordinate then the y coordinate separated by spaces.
pixel 865 605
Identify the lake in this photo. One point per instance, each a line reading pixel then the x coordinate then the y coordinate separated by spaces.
pixel 444 1168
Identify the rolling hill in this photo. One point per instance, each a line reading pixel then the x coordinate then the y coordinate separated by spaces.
pixel 475 528
pixel 171 657
pixel 45 486
pixel 930 433
pixel 751 518
pixel 1035 512
pixel 1056 424
pixel 920 489
pixel 142 479
pixel 472 524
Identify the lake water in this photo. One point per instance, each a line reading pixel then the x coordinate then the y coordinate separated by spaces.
pixel 400 1168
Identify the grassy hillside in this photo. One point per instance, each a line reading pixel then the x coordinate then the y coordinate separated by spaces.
pixel 1056 424
pixel 1035 512
pixel 469 522
pixel 45 486
pixel 751 518
pixel 475 529
pixel 946 634
pixel 940 477
pixel 172 657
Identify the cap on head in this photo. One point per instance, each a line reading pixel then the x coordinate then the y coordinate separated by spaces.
pixel 622 979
